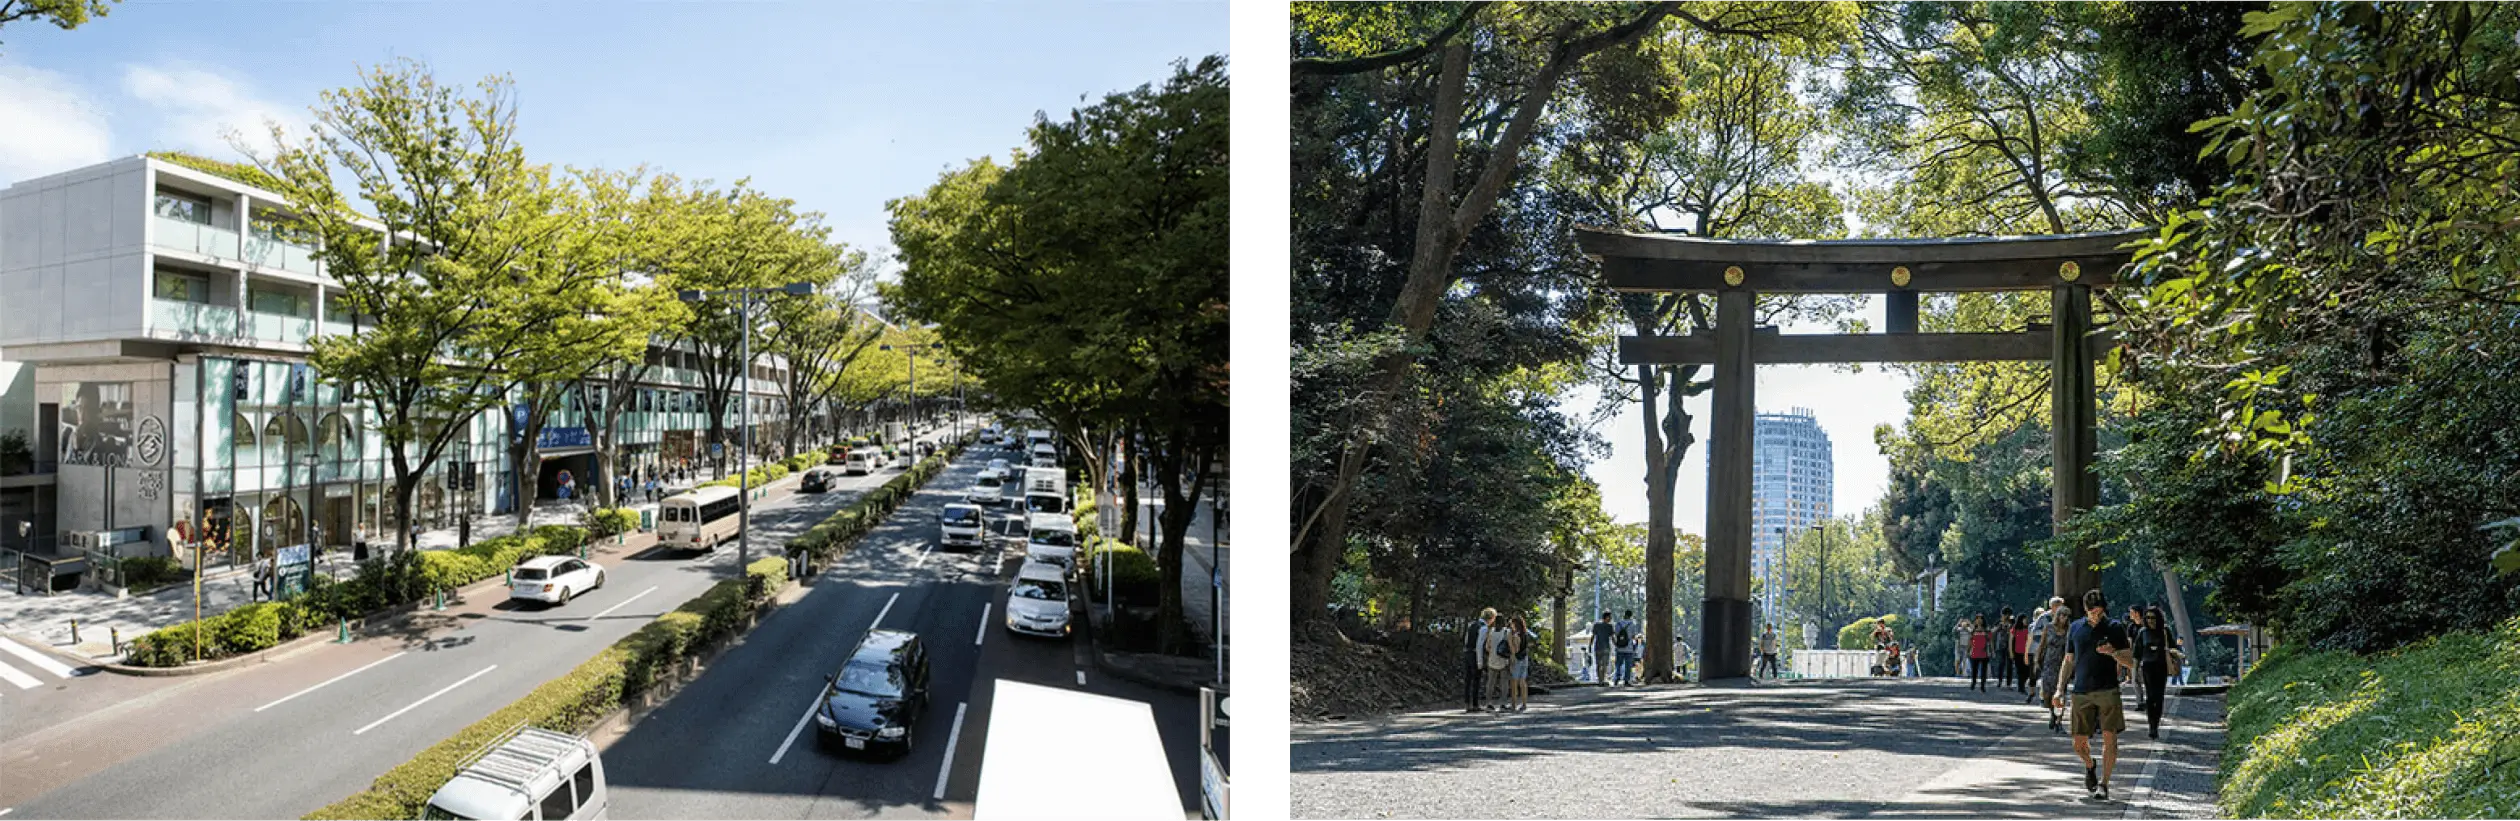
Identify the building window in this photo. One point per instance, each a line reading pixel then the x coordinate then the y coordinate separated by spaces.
pixel 182 287
pixel 284 303
pixel 184 207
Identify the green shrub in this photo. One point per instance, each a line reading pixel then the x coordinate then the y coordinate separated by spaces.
pixel 247 629
pixel 144 572
pixel 611 521
pixel 1134 576
pixel 2425 731
pixel 558 539
pixel 1858 636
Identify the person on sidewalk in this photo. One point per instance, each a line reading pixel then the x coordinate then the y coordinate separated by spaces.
pixel 651 488
pixel 2020 649
pixel 1601 633
pixel 1767 652
pixel 263 574
pixel 1472 664
pixel 2001 651
pixel 2157 652
pixel 2048 651
pixel 1978 637
pixel 1623 645
pixel 1500 665
pixel 1521 638
pixel 2096 648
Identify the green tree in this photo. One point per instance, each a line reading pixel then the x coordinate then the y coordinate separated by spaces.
pixel 822 337
pixel 740 238
pixel 451 243
pixel 63 14
pixel 1087 282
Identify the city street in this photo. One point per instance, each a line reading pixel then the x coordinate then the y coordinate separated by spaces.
pixel 322 721
pixel 737 743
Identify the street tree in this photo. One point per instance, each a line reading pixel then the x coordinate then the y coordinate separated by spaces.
pixel 449 237
pixel 63 14
pixel 822 337
pixel 740 238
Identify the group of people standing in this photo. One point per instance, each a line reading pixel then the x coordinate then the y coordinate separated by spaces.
pixel 1499 663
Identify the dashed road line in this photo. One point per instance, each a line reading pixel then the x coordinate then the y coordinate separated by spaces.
pixel 328 682
pixel 879 614
pixel 432 697
pixel 800 727
pixel 984 624
pixel 946 769
pixel 624 603
pixel 22 680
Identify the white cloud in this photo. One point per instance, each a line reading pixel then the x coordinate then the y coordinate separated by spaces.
pixel 199 108
pixel 47 125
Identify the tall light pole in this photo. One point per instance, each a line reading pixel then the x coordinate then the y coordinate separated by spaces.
pixel 743 478
pixel 914 351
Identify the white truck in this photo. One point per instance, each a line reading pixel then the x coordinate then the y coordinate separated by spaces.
pixel 1033 732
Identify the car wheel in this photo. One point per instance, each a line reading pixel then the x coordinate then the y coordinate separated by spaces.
pixel 599 580
pixel 564 596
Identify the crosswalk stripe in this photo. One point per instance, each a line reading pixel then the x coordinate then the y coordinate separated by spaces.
pixel 41 661
pixel 22 680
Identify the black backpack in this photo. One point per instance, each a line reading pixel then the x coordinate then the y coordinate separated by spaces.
pixel 1622 638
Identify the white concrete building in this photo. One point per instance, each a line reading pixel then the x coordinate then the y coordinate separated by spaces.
pixel 164 313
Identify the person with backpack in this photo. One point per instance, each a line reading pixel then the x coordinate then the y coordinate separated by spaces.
pixel 1601 634
pixel 1477 633
pixel 1500 665
pixel 1520 635
pixel 1623 642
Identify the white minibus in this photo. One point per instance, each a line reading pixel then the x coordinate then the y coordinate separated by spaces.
pixel 698 520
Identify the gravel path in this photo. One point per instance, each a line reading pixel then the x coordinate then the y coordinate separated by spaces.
pixel 1888 748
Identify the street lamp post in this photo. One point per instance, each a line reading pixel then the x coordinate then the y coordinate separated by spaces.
pixel 743 479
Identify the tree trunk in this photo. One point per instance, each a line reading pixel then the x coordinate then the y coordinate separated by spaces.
pixel 1180 505
pixel 1557 612
pixel 1130 470
pixel 525 458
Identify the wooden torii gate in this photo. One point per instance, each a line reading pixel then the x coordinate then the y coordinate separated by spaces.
pixel 1737 271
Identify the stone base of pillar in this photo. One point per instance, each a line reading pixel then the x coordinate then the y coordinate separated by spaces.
pixel 1726 653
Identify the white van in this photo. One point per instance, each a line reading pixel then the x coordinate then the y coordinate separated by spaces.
pixel 529 773
pixel 1036 438
pixel 862 460
pixel 959 526
pixel 1051 537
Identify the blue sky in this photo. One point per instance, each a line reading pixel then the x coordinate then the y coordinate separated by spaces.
pixel 839 105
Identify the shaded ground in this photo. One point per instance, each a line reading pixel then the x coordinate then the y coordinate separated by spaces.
pixel 1365 678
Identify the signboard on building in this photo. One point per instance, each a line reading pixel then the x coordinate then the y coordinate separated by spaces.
pixel 557 438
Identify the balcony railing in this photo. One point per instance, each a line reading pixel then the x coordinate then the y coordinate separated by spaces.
pixel 282 328
pixel 286 256
pixel 335 328
pixel 193 319
pixel 185 235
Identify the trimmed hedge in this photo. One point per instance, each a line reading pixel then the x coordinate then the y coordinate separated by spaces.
pixel 1134 576
pixel 611 521
pixel 144 572
pixel 577 699
pixel 837 532
pixel 381 583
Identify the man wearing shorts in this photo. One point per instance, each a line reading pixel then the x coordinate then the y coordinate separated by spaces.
pixel 2096 648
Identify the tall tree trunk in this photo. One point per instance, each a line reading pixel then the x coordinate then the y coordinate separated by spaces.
pixel 1557 612
pixel 1180 505
pixel 1131 468
pixel 524 455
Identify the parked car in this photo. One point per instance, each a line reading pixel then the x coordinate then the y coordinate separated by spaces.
pixel 1037 600
pixel 873 703
pixel 554 579
pixel 815 481
pixel 958 526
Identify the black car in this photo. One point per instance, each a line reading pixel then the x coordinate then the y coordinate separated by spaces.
pixel 815 481
pixel 875 700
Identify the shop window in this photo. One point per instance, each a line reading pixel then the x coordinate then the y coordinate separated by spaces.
pixel 244 436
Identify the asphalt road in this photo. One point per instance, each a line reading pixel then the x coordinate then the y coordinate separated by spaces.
pixel 278 740
pixel 737 742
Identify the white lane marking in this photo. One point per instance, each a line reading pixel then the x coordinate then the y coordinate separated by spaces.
pixel 984 623
pixel 22 680
pixel 328 682
pixel 955 737
pixel 800 727
pixel 1080 678
pixel 432 696
pixel 7 810
pixel 923 554
pixel 41 661
pixel 879 615
pixel 624 603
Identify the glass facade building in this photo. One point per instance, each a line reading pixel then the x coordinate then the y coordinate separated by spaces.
pixel 1793 484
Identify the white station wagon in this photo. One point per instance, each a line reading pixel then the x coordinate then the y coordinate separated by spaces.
pixel 554 579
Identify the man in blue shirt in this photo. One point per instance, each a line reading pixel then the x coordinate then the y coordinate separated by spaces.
pixel 1623 641
pixel 2095 649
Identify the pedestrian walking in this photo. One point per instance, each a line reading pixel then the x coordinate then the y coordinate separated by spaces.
pixel 652 488
pixel 2096 649
pixel 1767 651
pixel 1601 633
pixel 1520 636
pixel 2048 650
pixel 2129 677
pixel 2001 649
pixel 1499 665
pixel 1475 663
pixel 1623 642
pixel 1680 659
pixel 1978 638
pixel 2157 652
pixel 2020 649
pixel 263 574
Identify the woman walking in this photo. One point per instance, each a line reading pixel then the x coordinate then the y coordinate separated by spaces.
pixel 1978 645
pixel 2020 647
pixel 2049 646
pixel 1518 641
pixel 2156 651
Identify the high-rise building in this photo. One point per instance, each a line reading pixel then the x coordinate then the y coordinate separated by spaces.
pixel 1792 484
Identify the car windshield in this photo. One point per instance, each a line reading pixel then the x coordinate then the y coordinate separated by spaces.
pixel 529 573
pixel 961 516
pixel 989 481
pixel 1042 590
pixel 870 678
pixel 1054 538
